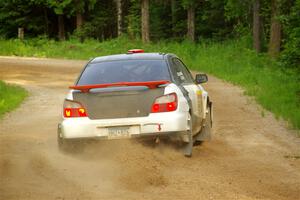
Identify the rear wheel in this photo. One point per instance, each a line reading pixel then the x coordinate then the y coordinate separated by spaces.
pixel 69 146
pixel 205 132
pixel 60 142
pixel 63 145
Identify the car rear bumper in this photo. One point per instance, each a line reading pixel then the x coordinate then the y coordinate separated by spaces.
pixel 154 124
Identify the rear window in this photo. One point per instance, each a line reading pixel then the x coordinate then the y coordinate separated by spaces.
pixel 124 71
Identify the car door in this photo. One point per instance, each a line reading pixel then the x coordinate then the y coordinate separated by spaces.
pixel 185 79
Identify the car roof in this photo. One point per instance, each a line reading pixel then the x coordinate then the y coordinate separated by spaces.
pixel 130 56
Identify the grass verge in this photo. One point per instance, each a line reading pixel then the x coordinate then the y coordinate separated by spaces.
pixel 10 97
pixel 275 88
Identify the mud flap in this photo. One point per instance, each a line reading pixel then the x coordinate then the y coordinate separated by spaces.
pixel 205 133
pixel 188 147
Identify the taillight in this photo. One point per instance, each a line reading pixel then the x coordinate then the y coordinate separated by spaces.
pixel 74 109
pixel 166 103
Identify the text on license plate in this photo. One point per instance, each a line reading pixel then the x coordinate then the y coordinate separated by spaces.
pixel 119 132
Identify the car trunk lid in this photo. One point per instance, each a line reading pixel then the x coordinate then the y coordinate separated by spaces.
pixel 118 102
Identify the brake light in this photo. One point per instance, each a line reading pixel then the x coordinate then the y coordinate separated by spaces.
pixel 135 51
pixel 74 109
pixel 166 103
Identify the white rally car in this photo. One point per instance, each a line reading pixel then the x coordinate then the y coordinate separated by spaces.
pixel 137 94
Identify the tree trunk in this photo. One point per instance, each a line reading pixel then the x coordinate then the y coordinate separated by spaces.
pixel 79 20
pixel 46 21
pixel 21 33
pixel 275 32
pixel 174 16
pixel 256 26
pixel 61 28
pixel 191 23
pixel 145 21
pixel 79 23
pixel 120 17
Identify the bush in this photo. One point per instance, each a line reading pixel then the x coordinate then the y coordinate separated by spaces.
pixel 291 53
pixel 10 97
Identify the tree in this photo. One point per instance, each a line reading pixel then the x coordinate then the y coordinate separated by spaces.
pixel 290 55
pixel 160 25
pixel 238 13
pixel 256 26
pixel 174 16
pixel 61 27
pixel 59 9
pixel 79 9
pixel 191 23
pixel 23 13
pixel 120 16
pixel 133 19
pixel 190 6
pixel 275 32
pixel 145 21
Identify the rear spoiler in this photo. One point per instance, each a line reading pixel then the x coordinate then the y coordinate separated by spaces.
pixel 149 84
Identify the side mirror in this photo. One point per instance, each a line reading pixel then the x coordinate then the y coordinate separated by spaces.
pixel 201 78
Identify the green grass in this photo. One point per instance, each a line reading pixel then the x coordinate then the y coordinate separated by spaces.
pixel 277 90
pixel 10 97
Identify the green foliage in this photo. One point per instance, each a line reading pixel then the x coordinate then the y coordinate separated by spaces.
pixel 21 13
pixel 179 22
pixel 277 90
pixel 70 7
pixel 239 13
pixel 160 28
pixel 216 20
pixel 188 3
pixel 133 19
pixel 291 53
pixel 168 19
pixel 99 25
pixel 10 97
pixel 212 22
pixel 59 6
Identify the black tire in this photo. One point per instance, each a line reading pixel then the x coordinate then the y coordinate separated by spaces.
pixel 60 143
pixel 209 123
pixel 210 115
pixel 69 146
pixel 197 143
pixel 63 145
pixel 205 133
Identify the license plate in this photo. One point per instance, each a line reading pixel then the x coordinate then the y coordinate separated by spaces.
pixel 119 132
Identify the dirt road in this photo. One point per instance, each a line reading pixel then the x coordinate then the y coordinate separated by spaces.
pixel 249 157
